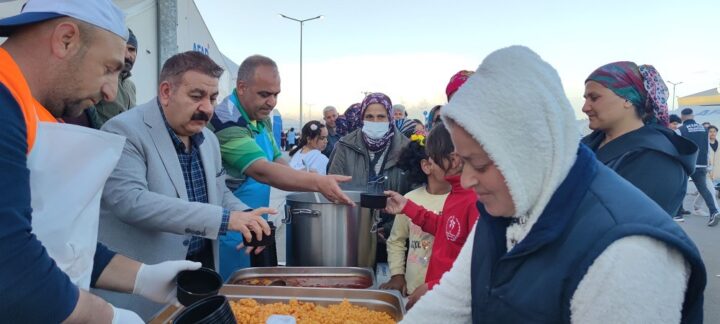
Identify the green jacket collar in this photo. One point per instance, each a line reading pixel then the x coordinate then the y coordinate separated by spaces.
pixel 236 101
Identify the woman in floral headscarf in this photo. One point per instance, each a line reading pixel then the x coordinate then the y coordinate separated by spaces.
pixel 372 152
pixel 626 105
pixel 349 121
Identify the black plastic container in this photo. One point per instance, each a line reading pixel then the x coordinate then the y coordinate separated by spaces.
pixel 268 257
pixel 266 239
pixel 215 309
pixel 195 285
pixel 373 200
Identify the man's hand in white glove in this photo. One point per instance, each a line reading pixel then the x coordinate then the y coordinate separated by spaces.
pixel 124 316
pixel 157 282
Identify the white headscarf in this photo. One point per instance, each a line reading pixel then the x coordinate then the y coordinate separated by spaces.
pixel 515 107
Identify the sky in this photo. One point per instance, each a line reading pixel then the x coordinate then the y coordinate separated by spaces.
pixel 410 49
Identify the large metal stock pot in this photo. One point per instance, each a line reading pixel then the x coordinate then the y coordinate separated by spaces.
pixel 321 233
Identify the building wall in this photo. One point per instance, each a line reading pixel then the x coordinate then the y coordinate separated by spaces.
pixel 194 35
pixel 711 97
pixel 141 17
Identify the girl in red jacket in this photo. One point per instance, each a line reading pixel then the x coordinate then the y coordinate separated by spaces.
pixel 452 226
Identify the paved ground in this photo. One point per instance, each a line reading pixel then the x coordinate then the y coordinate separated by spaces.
pixel 707 240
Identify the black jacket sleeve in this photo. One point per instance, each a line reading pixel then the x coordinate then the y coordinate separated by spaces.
pixel 102 258
pixel 658 175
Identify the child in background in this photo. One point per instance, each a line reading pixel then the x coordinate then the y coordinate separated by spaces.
pixel 307 155
pixel 451 227
pixel 420 128
pixel 408 274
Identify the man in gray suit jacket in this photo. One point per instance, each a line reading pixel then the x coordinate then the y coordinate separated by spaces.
pixel 167 198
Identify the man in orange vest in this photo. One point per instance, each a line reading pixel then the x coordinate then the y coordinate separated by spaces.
pixel 61 57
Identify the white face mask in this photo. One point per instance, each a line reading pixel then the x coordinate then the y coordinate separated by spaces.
pixel 375 130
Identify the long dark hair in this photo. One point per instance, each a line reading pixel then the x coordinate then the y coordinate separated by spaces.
pixel 440 146
pixel 410 162
pixel 310 131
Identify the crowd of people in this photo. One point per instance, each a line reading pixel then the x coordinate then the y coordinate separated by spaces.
pixel 704 178
pixel 483 223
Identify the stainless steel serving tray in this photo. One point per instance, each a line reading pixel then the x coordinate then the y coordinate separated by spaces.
pixel 300 272
pixel 378 300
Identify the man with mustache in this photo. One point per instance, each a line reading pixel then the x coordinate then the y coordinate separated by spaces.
pixel 167 198
pixel 252 158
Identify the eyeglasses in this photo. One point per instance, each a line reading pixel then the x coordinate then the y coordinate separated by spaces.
pixel 323 138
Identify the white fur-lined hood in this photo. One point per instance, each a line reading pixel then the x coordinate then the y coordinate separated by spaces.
pixel 515 107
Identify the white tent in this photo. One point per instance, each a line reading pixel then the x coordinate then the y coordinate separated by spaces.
pixel 142 18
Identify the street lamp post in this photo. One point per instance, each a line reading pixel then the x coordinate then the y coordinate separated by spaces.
pixel 673 95
pixel 302 22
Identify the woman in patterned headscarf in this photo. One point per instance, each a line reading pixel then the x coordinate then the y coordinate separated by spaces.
pixel 626 105
pixel 372 152
pixel 349 121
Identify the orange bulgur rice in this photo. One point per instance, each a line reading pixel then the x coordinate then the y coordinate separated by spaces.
pixel 249 311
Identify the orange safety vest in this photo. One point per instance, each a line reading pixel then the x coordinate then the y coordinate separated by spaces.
pixel 32 110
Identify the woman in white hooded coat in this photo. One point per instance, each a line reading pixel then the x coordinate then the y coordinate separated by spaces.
pixel 561 239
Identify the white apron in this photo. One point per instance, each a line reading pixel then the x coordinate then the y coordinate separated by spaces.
pixel 68 168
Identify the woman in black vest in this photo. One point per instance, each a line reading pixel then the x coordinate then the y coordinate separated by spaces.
pixel 626 105
pixel 561 237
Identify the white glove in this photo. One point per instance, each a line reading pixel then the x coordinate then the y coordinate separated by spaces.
pixel 157 282
pixel 124 316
